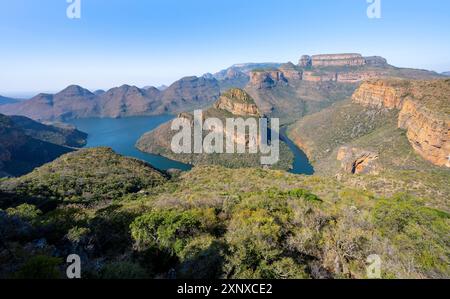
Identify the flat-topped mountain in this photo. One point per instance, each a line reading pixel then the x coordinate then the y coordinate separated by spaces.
pixel 292 91
pixel 25 144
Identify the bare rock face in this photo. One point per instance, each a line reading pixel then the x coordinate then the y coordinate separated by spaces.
pixel 290 72
pixel 357 161
pixel 338 60
pixel 381 94
pixel 424 112
pixel 427 132
pixel 355 77
pixel 319 77
pixel 237 102
pixel 305 61
pixel 376 61
pixel 267 79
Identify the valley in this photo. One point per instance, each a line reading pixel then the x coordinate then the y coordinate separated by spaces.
pixel 363 170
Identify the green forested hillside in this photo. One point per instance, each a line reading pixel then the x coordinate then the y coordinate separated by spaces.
pixel 212 222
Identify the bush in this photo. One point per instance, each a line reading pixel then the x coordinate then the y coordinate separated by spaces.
pixel 40 267
pixel 123 270
pixel 25 211
pixel 167 230
pixel 202 258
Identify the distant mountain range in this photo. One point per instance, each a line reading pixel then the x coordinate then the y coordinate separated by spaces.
pixel 6 100
pixel 285 90
pixel 446 73
pixel 26 144
pixel 77 102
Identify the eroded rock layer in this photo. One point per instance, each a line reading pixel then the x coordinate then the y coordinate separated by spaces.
pixel 424 112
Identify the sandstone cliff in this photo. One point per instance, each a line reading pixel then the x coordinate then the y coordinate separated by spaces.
pixel 424 112
pixel 237 102
pixel 338 60
pixel 267 79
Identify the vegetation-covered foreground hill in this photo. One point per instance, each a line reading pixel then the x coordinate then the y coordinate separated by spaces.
pixel 211 222
pixel 26 144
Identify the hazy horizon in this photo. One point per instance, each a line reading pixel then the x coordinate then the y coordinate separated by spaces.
pixel 158 42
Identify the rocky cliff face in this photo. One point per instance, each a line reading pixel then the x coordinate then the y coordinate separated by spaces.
pixel 381 93
pixel 338 60
pixel 357 161
pixel 237 102
pixel 424 112
pixel 291 72
pixel 319 77
pixel 428 133
pixel 267 79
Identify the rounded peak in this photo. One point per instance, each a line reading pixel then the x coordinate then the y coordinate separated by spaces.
pixel 74 90
pixel 288 66
pixel 238 95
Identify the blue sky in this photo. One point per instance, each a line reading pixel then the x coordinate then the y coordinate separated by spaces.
pixel 153 42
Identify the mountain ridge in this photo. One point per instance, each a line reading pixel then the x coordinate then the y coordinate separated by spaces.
pixel 193 92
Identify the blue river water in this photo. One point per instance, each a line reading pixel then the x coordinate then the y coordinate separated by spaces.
pixel 121 135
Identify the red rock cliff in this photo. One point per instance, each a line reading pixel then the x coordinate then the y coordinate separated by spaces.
pixel 424 112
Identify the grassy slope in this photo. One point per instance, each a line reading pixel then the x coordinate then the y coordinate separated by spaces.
pixel 241 223
pixel 86 175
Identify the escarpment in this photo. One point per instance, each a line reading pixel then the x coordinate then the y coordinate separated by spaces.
pixel 424 112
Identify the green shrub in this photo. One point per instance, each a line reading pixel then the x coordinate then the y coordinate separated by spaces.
pixel 40 267
pixel 167 230
pixel 202 258
pixel 123 270
pixel 25 211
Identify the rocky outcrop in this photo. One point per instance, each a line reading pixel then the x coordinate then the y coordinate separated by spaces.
pixel 290 72
pixel 355 77
pixel 357 161
pixel 319 77
pixel 381 93
pixel 428 133
pixel 305 61
pixel 237 102
pixel 424 112
pixel 327 60
pixel 267 79
pixel 376 61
